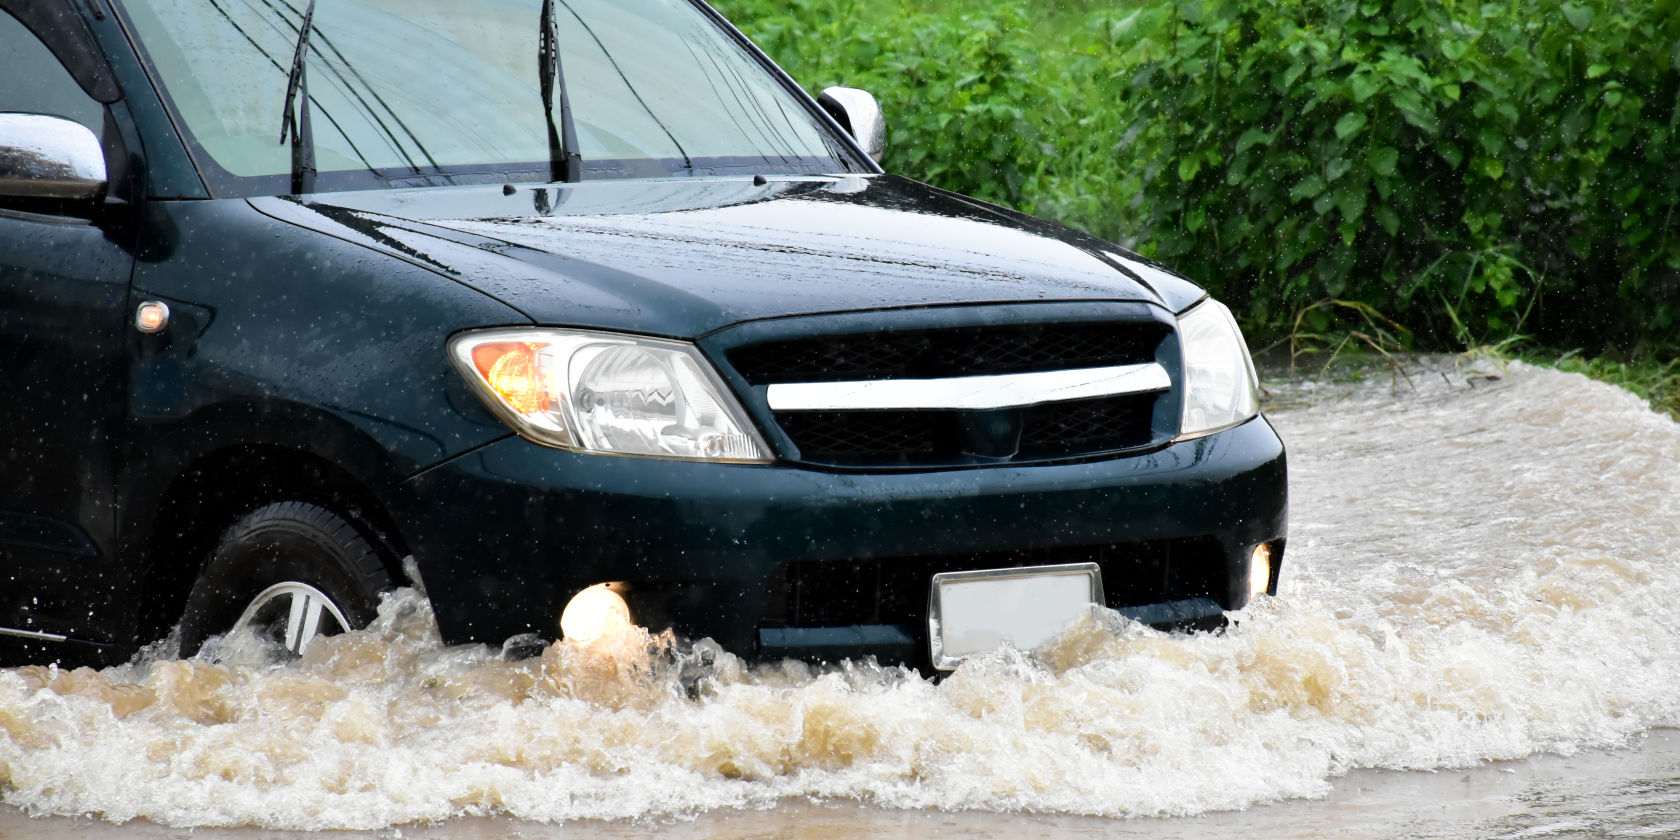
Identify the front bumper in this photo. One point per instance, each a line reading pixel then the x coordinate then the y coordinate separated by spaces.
pixel 776 560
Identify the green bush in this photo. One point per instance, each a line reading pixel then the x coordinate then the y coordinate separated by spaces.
pixel 1450 163
pixel 1462 168
pixel 963 92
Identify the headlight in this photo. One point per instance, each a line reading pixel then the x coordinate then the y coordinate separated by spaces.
pixel 608 393
pixel 1220 388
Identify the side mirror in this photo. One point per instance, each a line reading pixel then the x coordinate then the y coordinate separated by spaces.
pixel 858 112
pixel 50 158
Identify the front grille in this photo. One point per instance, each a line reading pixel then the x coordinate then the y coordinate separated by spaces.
pixel 1087 425
pixel 959 351
pixel 932 438
pixel 841 593
pixel 846 437
pixel 1051 430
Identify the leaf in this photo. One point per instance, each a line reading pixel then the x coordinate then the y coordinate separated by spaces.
pixel 1253 137
pixel 1365 86
pixel 1292 74
pixel 1454 50
pixel 1451 155
pixel 1491 141
pixel 1351 201
pixel 1323 203
pixel 1188 167
pixel 1493 168
pixel 1310 186
pixel 1452 91
pixel 1337 168
pixel 1384 160
pixel 1579 17
pixel 1422 119
pixel 1350 124
pixel 1386 217
pixel 1596 70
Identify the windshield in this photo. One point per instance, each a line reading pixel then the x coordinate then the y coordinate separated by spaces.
pixel 434 91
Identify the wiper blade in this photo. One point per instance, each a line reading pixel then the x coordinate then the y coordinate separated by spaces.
pixel 564 162
pixel 296 122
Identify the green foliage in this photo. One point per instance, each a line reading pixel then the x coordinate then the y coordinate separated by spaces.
pixel 1466 169
pixel 970 107
pixel 1450 163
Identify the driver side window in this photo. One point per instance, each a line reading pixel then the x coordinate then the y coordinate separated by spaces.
pixel 35 83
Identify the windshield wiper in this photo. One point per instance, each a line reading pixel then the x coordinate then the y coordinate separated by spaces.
pixel 296 123
pixel 564 162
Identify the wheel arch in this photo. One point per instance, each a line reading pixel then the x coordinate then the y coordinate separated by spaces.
pixel 190 496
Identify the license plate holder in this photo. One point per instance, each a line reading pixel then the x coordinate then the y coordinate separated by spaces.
pixel 972 612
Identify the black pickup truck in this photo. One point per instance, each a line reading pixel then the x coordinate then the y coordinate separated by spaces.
pixel 579 311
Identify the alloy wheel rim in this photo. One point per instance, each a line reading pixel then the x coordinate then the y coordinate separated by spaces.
pixel 303 611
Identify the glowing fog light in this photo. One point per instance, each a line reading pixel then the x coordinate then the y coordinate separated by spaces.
pixel 594 613
pixel 1260 570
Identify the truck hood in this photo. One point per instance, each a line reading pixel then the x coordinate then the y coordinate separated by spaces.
pixel 684 257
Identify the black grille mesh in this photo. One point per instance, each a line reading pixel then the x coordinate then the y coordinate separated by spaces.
pixel 855 438
pixel 868 436
pixel 964 351
pixel 1087 425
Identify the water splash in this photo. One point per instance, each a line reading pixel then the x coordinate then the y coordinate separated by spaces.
pixel 1475 572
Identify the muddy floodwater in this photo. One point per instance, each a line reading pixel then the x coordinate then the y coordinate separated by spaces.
pixel 1481 584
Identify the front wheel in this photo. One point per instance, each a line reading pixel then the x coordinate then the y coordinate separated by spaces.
pixel 288 572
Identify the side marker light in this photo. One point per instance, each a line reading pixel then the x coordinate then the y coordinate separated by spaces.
pixel 151 317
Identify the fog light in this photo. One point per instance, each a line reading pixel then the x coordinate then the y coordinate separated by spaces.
pixel 594 613
pixel 1260 570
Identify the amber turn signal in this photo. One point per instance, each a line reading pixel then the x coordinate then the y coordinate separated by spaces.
pixel 511 369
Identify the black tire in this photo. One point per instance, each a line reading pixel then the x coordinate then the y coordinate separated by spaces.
pixel 285 542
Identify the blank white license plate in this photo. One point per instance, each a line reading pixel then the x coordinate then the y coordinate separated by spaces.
pixel 971 613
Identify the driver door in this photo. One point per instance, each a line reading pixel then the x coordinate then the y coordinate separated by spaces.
pixel 63 320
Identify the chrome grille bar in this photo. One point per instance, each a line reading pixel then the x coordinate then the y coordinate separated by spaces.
pixel 969 393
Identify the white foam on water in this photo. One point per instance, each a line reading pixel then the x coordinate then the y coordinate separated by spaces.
pixel 1474 572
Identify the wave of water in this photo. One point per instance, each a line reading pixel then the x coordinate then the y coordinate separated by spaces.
pixel 1477 570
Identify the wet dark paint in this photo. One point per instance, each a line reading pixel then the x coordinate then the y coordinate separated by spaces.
pixel 63 304
pixel 540 524
pixel 683 257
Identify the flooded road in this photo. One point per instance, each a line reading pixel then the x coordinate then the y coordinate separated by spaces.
pixel 1479 570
